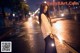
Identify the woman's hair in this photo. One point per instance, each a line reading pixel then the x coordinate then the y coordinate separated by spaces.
pixel 42 7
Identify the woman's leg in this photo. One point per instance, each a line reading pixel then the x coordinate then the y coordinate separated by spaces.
pixel 48 45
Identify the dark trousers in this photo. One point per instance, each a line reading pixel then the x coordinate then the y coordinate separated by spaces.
pixel 48 45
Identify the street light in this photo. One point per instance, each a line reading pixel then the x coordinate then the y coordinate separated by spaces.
pixel 24 0
pixel 45 2
pixel 13 15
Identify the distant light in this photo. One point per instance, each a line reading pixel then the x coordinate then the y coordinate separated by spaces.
pixel 30 13
pixel 45 2
pixel 25 0
pixel 13 15
pixel 52 44
pixel 62 15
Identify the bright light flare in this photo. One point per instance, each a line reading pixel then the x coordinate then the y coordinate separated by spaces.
pixel 52 44
pixel 24 0
pixel 58 26
pixel 13 15
pixel 62 14
pixel 45 2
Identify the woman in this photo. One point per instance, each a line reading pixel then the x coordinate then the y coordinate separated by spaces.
pixel 44 20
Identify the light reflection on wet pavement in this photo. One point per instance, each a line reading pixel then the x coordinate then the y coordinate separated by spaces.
pixel 28 38
pixel 69 31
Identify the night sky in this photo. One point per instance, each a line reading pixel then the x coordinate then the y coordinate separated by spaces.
pixel 34 4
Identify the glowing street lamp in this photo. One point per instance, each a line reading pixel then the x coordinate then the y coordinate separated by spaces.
pixel 25 0
pixel 13 15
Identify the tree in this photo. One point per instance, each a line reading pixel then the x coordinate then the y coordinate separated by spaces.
pixel 14 5
pixel 24 8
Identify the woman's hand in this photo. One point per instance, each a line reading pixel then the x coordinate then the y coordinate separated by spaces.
pixel 51 35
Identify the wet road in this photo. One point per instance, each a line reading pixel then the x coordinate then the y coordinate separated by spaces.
pixel 69 31
pixel 34 36
pixel 28 38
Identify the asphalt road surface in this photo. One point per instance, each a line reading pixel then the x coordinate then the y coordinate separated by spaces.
pixel 69 31
pixel 27 38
